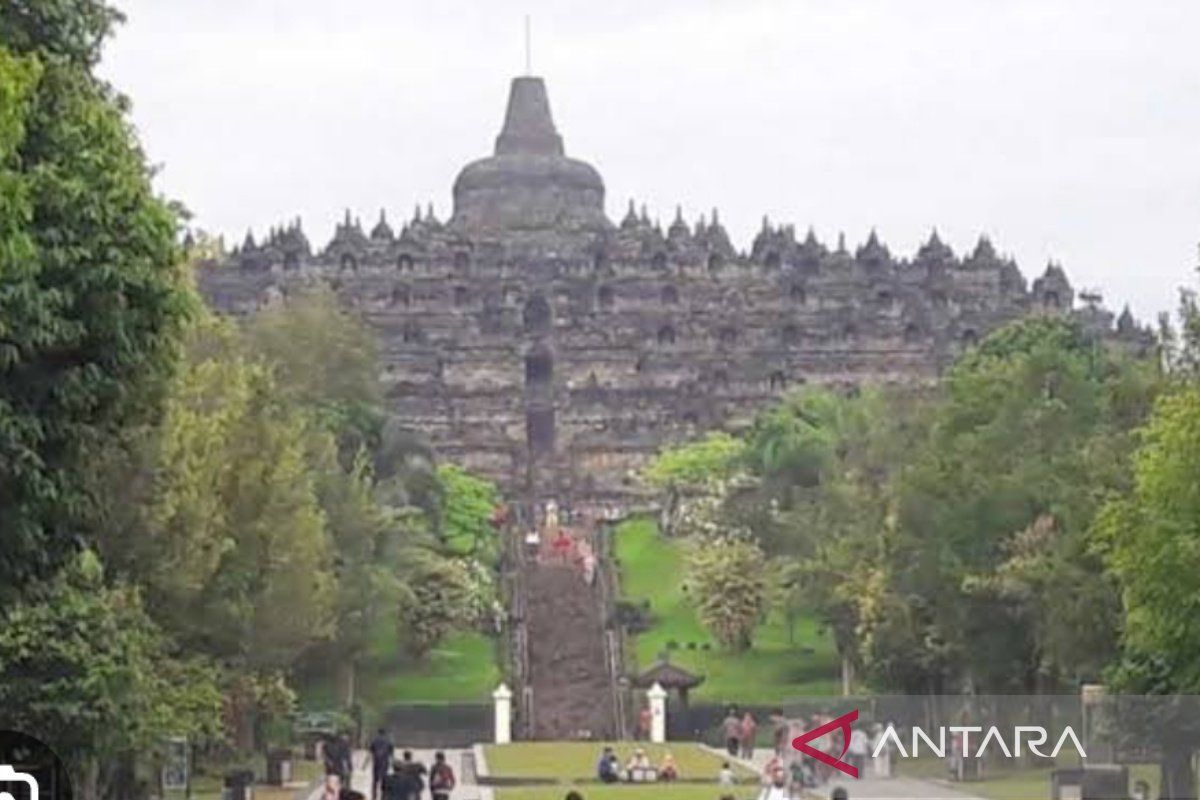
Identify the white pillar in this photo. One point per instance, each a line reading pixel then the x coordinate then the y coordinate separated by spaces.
pixel 657 696
pixel 503 698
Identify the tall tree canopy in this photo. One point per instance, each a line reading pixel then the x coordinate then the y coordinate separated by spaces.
pixel 92 289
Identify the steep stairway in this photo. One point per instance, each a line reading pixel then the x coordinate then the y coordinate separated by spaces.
pixel 568 657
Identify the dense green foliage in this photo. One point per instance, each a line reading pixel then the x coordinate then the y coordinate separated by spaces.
pixel 92 290
pixel 88 671
pixel 944 535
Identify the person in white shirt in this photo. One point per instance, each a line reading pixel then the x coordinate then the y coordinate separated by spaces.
pixel 778 789
pixel 725 776
pixel 859 749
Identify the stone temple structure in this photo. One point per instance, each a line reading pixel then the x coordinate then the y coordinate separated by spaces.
pixel 535 341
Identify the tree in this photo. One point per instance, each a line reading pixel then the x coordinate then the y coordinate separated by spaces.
pixel 1150 539
pixel 1035 422
pixel 87 670
pixel 324 359
pixel 215 512
pixel 727 583
pixel 441 597
pixel 467 506
pixel 693 479
pixel 92 290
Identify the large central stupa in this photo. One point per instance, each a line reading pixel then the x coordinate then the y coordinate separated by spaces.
pixel 529 184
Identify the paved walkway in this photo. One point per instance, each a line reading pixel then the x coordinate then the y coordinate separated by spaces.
pixel 868 788
pixel 464 790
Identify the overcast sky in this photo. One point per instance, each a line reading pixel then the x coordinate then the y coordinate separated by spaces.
pixel 1064 129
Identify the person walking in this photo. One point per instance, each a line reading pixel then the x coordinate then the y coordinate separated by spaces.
pixel 416 772
pixel 441 778
pixel 780 735
pixel 732 730
pixel 748 731
pixel 382 752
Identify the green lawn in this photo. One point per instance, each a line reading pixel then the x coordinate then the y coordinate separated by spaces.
pixel 773 670
pixel 568 761
pixel 462 668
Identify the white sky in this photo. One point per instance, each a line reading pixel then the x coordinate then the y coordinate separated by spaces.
pixel 1064 129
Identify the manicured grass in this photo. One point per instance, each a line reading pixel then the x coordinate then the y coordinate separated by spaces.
pixel 629 792
pixel 462 668
pixel 773 670
pixel 568 761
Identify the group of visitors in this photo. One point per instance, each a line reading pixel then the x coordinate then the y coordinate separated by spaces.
pixel 789 773
pixel 740 732
pixel 405 778
pixel 552 541
pixel 638 769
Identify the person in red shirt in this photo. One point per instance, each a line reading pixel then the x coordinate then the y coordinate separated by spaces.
pixel 644 723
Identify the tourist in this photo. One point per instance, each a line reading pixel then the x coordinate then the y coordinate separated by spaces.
pixel 533 541
pixel 858 749
pixel 638 769
pixel 839 793
pixel 881 761
pixel 416 773
pixel 748 731
pixel 773 767
pixel 606 769
pixel 802 776
pixel 668 772
pixel 332 789
pixel 382 752
pixel 337 758
pixel 726 777
pixel 776 788
pixel 561 546
pixel 441 778
pixel 780 735
pixel 643 726
pixel 398 784
pixel 732 729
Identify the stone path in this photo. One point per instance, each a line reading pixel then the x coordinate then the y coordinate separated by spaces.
pixel 870 788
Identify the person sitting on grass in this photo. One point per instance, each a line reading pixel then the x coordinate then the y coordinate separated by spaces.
pixel 606 767
pixel 668 771
pixel 638 769
pixel 725 777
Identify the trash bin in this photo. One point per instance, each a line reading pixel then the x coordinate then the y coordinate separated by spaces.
pixel 238 785
pixel 279 766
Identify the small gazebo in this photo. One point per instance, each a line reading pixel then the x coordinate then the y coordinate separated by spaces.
pixel 670 677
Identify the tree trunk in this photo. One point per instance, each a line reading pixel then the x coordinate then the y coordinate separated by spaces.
pixel 89 783
pixel 847 676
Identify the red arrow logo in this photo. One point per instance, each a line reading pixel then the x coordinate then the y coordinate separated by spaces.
pixel 843 722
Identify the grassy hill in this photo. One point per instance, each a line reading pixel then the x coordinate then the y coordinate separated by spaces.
pixel 463 668
pixel 774 669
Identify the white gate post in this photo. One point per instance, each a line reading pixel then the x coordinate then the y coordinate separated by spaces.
pixel 657 696
pixel 503 699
